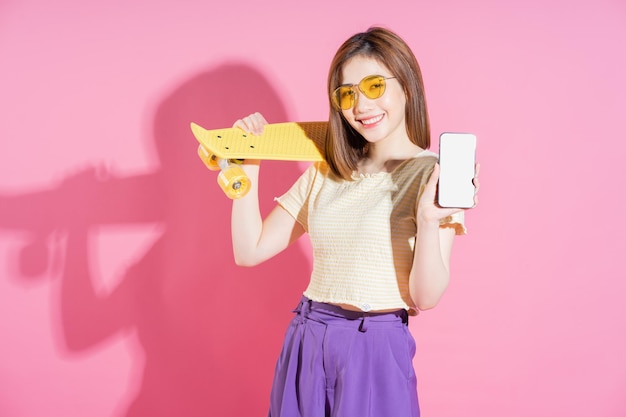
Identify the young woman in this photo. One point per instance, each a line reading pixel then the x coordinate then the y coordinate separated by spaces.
pixel 381 246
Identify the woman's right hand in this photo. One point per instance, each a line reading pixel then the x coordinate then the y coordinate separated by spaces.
pixel 253 123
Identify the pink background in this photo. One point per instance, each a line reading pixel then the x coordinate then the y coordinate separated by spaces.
pixel 118 293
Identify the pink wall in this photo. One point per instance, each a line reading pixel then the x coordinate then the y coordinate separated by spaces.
pixel 118 294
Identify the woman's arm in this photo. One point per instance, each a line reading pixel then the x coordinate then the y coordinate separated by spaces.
pixel 430 273
pixel 256 239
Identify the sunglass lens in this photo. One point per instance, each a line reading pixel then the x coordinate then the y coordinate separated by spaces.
pixel 372 87
pixel 344 97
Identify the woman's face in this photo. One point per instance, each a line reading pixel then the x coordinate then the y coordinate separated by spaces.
pixel 378 120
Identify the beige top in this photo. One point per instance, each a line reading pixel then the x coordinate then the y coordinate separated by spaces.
pixel 362 232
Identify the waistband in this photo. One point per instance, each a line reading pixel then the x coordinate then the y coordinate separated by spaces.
pixel 330 313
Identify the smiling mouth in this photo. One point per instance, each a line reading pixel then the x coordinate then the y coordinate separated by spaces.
pixel 372 120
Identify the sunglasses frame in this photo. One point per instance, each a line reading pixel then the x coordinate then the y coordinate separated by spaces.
pixel 335 94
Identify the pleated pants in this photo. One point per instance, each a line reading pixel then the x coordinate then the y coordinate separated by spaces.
pixel 340 363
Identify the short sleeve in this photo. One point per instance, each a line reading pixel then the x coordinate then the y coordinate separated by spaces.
pixel 456 222
pixel 295 200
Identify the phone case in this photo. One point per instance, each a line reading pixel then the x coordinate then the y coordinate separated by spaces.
pixel 457 160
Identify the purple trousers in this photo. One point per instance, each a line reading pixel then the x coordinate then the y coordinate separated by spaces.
pixel 339 363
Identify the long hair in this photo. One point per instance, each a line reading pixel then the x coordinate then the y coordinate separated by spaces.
pixel 344 146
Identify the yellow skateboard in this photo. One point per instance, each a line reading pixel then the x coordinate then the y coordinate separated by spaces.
pixel 220 149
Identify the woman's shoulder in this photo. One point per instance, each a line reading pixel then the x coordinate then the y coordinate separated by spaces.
pixel 323 171
pixel 317 173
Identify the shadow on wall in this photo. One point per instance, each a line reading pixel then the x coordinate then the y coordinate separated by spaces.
pixel 210 331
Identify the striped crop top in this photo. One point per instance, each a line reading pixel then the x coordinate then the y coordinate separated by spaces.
pixel 362 232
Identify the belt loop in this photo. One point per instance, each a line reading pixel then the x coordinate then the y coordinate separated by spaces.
pixel 405 317
pixel 303 309
pixel 363 325
pixel 306 307
pixel 298 309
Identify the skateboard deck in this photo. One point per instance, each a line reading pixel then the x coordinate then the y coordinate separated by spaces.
pixel 303 141
pixel 293 141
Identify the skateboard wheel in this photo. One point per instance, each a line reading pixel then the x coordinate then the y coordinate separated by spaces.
pixel 208 158
pixel 234 181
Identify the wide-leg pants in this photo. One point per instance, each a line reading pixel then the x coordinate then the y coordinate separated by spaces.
pixel 339 363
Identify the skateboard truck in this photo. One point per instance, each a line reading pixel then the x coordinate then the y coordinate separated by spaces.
pixel 232 178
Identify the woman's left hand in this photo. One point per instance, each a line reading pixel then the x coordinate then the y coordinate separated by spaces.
pixel 427 208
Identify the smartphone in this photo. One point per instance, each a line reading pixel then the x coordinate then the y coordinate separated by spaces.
pixel 457 160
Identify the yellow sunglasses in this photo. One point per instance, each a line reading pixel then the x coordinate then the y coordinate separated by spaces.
pixel 372 86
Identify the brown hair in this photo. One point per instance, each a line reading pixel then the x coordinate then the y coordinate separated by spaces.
pixel 344 146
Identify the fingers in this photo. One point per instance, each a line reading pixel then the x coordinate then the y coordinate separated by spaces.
pixel 476 184
pixel 253 123
pixel 475 180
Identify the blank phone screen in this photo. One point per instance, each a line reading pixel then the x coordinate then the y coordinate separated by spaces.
pixel 457 157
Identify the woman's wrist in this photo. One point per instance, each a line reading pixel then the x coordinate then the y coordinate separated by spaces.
pixel 423 223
